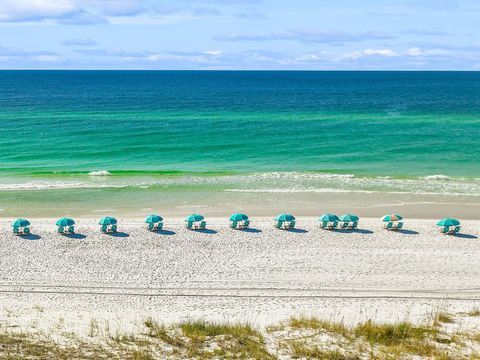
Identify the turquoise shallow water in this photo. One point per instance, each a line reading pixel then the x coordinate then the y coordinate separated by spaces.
pixel 407 132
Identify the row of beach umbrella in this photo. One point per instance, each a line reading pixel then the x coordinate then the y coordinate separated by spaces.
pixel 239 221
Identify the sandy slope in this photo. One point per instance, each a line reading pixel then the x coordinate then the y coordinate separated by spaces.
pixel 260 276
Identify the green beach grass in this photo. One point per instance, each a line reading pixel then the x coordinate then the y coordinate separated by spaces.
pixel 296 338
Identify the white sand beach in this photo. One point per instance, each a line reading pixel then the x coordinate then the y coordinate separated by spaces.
pixel 260 276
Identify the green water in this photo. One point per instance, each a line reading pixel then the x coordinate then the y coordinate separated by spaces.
pixel 80 136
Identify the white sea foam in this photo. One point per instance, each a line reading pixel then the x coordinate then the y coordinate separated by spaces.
pixel 267 182
pixel 436 177
pixel 334 191
pixel 99 173
pixel 55 185
pixel 286 191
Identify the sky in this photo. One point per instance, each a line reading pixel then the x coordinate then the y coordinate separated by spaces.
pixel 240 34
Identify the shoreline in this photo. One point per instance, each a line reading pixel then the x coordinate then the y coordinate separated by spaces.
pixel 223 204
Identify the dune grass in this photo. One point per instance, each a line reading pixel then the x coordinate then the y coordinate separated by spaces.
pixel 392 334
pixel 299 350
pixel 23 346
pixel 319 324
pixel 297 338
pixel 443 318
pixel 230 340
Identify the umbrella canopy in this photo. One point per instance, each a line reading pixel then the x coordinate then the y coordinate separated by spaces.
pixel 153 219
pixel 284 217
pixel 448 222
pixel 329 218
pixel 194 218
pixel 65 222
pixel 238 217
pixel 107 221
pixel 394 217
pixel 349 218
pixel 21 223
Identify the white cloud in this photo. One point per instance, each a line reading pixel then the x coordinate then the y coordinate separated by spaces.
pixel 48 58
pixel 34 10
pixel 417 51
pixel 380 52
pixel 213 52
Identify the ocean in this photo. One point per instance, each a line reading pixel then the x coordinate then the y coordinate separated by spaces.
pixel 82 142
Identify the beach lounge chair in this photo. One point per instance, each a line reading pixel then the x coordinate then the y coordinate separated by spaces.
pixel 278 224
pixel 399 226
pixel 354 225
pixel 151 226
pixel 389 226
pixel 113 228
pixel 104 228
pixel 71 229
pixel 16 230
pixel 203 225
pixel 444 229
pixel 246 224
pixel 189 225
pixel 291 224
pixel 345 225
pixel 61 229
pixel 26 230
pixel 159 226
pixel 233 224
pixel 452 230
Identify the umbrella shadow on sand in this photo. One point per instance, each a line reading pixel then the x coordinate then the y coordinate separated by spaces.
pixel 165 232
pixel 408 232
pixel 251 230
pixel 118 234
pixel 207 231
pixel 353 231
pixel 75 236
pixel 299 231
pixel 465 236
pixel 31 237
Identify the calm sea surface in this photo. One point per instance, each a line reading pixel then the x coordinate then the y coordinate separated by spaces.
pixel 137 133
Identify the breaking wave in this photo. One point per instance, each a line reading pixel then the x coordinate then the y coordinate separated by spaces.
pixel 264 182
pixel 99 173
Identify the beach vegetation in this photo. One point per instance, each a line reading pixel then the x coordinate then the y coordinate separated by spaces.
pixel 160 332
pixel 474 312
pixel 297 338
pixel 207 340
pixel 318 324
pixel 392 334
pixel 443 318
pixel 300 350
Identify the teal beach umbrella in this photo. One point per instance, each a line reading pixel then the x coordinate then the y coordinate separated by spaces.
pixel 153 219
pixel 285 217
pixel 194 218
pixel 108 221
pixel 393 217
pixel 329 218
pixel 21 223
pixel 448 222
pixel 238 217
pixel 349 218
pixel 65 222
